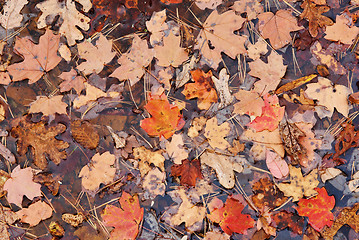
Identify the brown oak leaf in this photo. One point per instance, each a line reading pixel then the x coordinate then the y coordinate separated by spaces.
pixel 85 134
pixel 189 171
pixel 42 140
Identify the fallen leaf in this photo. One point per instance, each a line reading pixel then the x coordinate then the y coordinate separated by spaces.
pixel 7 218
pixel 216 236
pixel 329 95
pixel 189 171
pixel 257 49
pixel 154 183
pixel 217 35
pixel 10 16
pixel 48 180
pixel 65 52
pixel 21 184
pixel 277 27
pixel 133 62
pixel 237 147
pixel 38 58
pixel 166 118
pixel 216 134
pixel 85 134
pixel 309 143
pixel 330 173
pixel 126 219
pixel 99 171
pixel 222 85
pixel 71 81
pixel 5 78
pixel 147 158
pixel 300 185
pixel 272 114
pixel 295 83
pixel 230 217
pixel 175 149
pixel 250 102
pixel 92 94
pixel 341 32
pixel 251 7
pixel 48 105
pixel 156 26
pixel 313 14
pixel 42 140
pixel 73 219
pixel 70 16
pixel 56 230
pixel 276 165
pixel 35 213
pixel 270 73
pixel 284 219
pixel 210 4
pixel 318 209
pixel 96 56
pixel 224 167
pixel 170 54
pixel 196 126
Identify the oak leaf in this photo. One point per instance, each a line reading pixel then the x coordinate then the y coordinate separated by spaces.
pixel 126 219
pixel 133 62
pixel 230 217
pixel 277 27
pixel 166 118
pixel 42 140
pixel 70 16
pixel 10 16
pixel 38 58
pixel 189 171
pixel 216 134
pixel 96 56
pixel 85 134
pixel 300 185
pixel 250 102
pixel 203 89
pixel 21 184
pixel 35 213
pixel 170 54
pixel 269 73
pixel 48 105
pixel 313 14
pixel 318 209
pixel 329 95
pixel 341 32
pixel 217 35
pixel 99 171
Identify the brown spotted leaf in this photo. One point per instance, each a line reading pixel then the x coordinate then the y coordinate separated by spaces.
pixel 85 134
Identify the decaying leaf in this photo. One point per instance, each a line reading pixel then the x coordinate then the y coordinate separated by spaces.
pixel 99 171
pixel 85 134
pixel 211 4
pixel 73 219
pixel 154 183
pixel 189 171
pixel 300 186
pixel 35 213
pixel 237 147
pixel 309 144
pixel 284 219
pixel 38 58
pixel 42 140
pixel 224 167
pixel 216 134
pixel 222 85
pixel 56 230
pixel 71 81
pixel 7 217
pixel 10 16
pixel 147 157
pixel 277 27
pixel 251 7
pixel 156 26
pixel 196 127
pixel 126 219
pixel 47 179
pixel 21 184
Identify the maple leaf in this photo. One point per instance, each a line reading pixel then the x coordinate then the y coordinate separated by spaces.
pixel 318 209
pixel 300 185
pixel 313 14
pixel 96 56
pixel 133 62
pixel 126 219
pixel 277 27
pixel 71 18
pixel 272 114
pixel 10 16
pixel 201 89
pixel 170 54
pixel 100 171
pixel 230 217
pixel 189 171
pixel 269 73
pixel 166 118
pixel 216 134
pixel 71 81
pixel 251 7
pixel 48 105
pixel 85 134
pixel 341 32
pixel 147 158
pixel 35 213
pixel 42 140
pixel 276 165
pixel 176 150
pixel 217 35
pixel 329 95
pixel 21 184
pixel 38 58
pixel 249 103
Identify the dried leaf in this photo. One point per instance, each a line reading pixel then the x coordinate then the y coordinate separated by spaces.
pixel 7 217
pixel 222 85
pixel 47 179
pixel 189 171
pixel 42 140
pixel 48 105
pixel 294 84
pixel 71 81
pixel 284 219
pixel 38 58
pixel 35 213
pixel 250 103
pixel 196 127
pixel 147 158
pixel 266 195
pixel 73 219
pixel 211 4
pixel 10 16
pixel 309 144
pixel 156 26
pixel 276 165
pixel 21 184
pixel 85 134
pixel 56 230
pixel 251 7
pixel 154 183
pixel 170 54
pixel 92 94
pixel 341 32
pixel 175 149
pixel 216 134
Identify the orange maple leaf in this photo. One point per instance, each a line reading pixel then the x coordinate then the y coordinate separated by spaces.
pixel 230 217
pixel 272 114
pixel 318 209
pixel 202 88
pixel 166 118
pixel 126 219
pixel 189 171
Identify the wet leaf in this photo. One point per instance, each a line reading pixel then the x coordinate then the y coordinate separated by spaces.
pixel 284 219
pixel 85 134
pixel 189 171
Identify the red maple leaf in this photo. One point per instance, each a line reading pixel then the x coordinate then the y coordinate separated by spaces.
pixel 230 217
pixel 272 114
pixel 126 219
pixel 318 209
pixel 189 171
pixel 166 118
